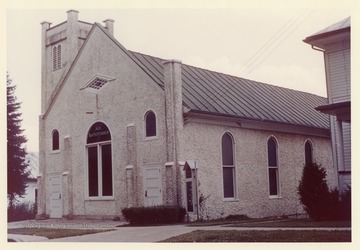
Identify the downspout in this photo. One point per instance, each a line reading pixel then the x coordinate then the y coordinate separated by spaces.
pixel 318 49
pixel 197 192
pixel 331 120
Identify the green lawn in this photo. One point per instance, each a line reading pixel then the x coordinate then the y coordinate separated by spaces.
pixel 53 233
pixel 271 223
pixel 263 236
pixel 292 223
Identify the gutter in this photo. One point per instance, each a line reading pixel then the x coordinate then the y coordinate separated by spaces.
pixel 316 48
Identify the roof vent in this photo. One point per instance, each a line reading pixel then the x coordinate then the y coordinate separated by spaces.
pixel 98 82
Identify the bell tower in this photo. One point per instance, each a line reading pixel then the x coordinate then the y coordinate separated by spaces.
pixel 59 47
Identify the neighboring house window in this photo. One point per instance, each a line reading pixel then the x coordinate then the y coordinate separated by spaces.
pixel 273 167
pixel 55 140
pixel 227 146
pixel 150 124
pixel 56 57
pixel 99 161
pixel 189 190
pixel 308 153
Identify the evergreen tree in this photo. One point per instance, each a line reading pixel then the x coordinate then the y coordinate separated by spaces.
pixel 314 191
pixel 16 151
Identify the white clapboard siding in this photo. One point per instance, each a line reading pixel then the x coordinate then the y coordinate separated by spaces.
pixel 339 75
pixel 347 145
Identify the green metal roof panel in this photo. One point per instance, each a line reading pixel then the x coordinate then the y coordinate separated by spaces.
pixel 217 93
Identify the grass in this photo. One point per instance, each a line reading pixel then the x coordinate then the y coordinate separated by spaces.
pixel 246 235
pixel 263 236
pixel 292 223
pixel 54 233
pixel 270 223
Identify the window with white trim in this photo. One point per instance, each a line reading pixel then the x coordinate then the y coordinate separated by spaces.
pixel 99 162
pixel 55 140
pixel 273 167
pixel 228 166
pixel 308 153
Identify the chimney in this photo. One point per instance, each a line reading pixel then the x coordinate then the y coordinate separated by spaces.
pixel 173 91
pixel 109 24
pixel 72 15
pixel 174 122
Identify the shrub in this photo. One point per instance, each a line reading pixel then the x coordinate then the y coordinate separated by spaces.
pixel 154 215
pixel 345 204
pixel 22 211
pixel 314 191
pixel 320 202
pixel 237 217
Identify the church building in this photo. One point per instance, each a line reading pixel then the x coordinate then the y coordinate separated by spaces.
pixel 122 129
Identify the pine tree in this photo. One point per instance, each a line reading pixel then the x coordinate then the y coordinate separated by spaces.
pixel 314 191
pixel 16 151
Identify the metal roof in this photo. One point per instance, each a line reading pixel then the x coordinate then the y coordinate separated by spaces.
pixel 345 23
pixel 334 29
pixel 206 91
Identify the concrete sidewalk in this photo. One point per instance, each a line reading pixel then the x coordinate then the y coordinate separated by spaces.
pixel 159 233
pixel 58 224
pixel 127 234
pixel 25 238
pixel 131 234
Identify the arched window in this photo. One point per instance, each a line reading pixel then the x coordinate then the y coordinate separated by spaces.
pixel 308 153
pixel 99 161
pixel 55 140
pixel 227 149
pixel 273 166
pixel 150 124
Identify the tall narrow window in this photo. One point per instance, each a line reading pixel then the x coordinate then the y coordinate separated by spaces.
pixel 227 147
pixel 273 167
pixel 99 161
pixel 308 153
pixel 150 124
pixel 55 140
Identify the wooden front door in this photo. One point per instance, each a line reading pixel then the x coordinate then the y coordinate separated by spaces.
pixel 55 197
pixel 152 186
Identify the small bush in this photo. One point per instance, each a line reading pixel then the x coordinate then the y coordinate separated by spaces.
pixel 237 217
pixel 318 200
pixel 22 211
pixel 154 215
pixel 314 191
pixel 345 205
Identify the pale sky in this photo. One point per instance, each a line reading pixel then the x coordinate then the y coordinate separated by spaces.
pixel 226 40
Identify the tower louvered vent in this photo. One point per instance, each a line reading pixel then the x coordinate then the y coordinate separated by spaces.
pixel 97 83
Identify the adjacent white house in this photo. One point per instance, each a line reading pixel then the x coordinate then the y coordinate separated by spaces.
pixel 30 194
pixel 334 42
pixel 121 129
